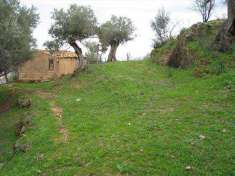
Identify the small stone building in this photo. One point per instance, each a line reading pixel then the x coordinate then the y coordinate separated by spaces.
pixel 44 67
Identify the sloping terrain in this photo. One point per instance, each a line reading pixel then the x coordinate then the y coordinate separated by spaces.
pixel 130 118
pixel 196 47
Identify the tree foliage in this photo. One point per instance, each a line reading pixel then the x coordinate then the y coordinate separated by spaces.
pixel 205 8
pixel 16 27
pixel 75 24
pixel 116 31
pixel 52 46
pixel 93 55
pixel 162 27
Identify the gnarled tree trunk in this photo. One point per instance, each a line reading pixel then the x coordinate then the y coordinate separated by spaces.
pixel 6 78
pixel 231 17
pixel 82 62
pixel 112 53
pixel 77 49
pixel 226 36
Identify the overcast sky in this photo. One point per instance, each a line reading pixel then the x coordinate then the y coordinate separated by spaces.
pixel 140 11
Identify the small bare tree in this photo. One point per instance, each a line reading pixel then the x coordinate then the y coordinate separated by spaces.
pixel 160 25
pixel 163 27
pixel 205 8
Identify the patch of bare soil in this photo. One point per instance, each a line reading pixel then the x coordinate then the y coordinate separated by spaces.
pixel 57 111
pixel 58 114
pixel 65 135
pixel 45 95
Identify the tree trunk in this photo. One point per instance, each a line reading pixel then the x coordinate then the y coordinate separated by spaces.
pixel 231 17
pixel 82 62
pixel 77 49
pixel 112 53
pixel 226 36
pixel 6 78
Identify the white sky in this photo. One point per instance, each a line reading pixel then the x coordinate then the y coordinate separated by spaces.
pixel 140 11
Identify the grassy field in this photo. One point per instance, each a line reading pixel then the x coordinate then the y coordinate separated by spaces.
pixel 126 118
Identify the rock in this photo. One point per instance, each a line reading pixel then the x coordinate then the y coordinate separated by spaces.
pixel 78 100
pixel 188 168
pixel 27 121
pixel 24 102
pixel 224 131
pixel 22 125
pixel 18 147
pixel 40 157
pixel 202 137
pixel 23 129
pixel 19 128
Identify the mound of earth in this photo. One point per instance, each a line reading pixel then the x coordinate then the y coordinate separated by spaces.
pixel 194 46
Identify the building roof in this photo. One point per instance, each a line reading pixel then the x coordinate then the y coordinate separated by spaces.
pixel 65 54
pixel 60 54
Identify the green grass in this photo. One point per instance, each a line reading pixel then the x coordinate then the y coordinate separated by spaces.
pixel 133 118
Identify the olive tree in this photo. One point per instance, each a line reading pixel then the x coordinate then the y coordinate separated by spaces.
pixel 205 8
pixel 72 26
pixel 113 33
pixel 52 46
pixel 16 27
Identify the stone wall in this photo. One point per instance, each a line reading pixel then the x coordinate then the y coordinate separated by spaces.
pixel 37 69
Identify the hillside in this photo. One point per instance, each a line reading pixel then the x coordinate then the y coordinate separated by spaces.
pixel 196 47
pixel 126 118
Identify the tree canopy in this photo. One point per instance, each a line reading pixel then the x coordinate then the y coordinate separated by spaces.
pixel 115 32
pixel 52 46
pixel 16 27
pixel 75 24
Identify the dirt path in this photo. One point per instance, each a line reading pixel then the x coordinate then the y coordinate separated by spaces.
pixel 58 114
